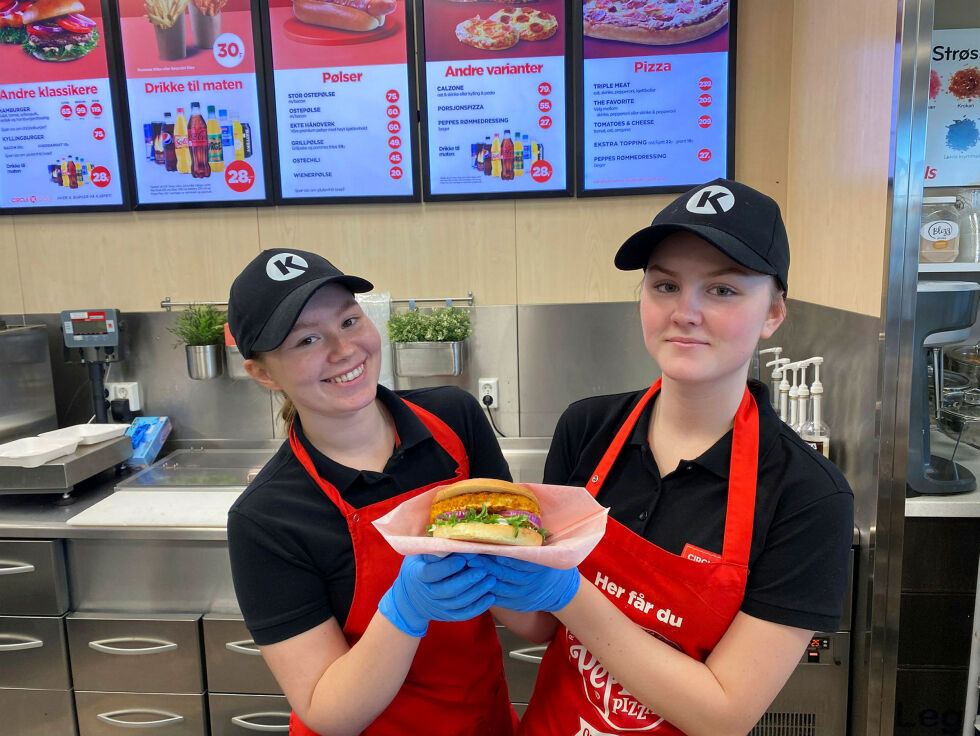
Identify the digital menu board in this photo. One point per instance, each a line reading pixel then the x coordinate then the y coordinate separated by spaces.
pixel 57 118
pixel 656 103
pixel 343 95
pixel 195 113
pixel 952 126
pixel 495 99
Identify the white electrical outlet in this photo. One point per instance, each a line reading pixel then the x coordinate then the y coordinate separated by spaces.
pixel 125 390
pixel 488 387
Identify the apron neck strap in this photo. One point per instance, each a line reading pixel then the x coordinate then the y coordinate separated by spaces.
pixel 441 433
pixel 602 470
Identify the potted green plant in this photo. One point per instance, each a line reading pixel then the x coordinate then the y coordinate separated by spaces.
pixel 429 343
pixel 201 330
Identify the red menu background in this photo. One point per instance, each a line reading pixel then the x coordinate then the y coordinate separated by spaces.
pixel 333 47
pixel 19 67
pixel 442 17
pixel 140 46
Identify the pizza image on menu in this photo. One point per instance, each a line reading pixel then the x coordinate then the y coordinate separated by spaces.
pixel 653 22
pixel 48 30
pixel 532 25
pixel 506 27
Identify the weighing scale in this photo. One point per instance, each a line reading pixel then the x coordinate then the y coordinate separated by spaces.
pixel 92 337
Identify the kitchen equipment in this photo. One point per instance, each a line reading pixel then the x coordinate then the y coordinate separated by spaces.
pixel 29 452
pixel 968 208
pixel 964 359
pixel 960 416
pixel 26 386
pixel 87 434
pixel 939 236
pixel 92 337
pixel 944 313
pixel 60 474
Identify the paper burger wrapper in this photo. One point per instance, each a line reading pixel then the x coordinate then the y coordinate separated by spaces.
pixel 574 520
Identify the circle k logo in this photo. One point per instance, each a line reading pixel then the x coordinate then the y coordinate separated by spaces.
pixel 711 200
pixel 286 266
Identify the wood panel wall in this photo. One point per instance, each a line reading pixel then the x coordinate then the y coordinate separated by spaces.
pixel 531 251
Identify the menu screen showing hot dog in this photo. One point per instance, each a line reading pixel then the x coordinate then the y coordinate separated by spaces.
pixel 56 109
pixel 195 122
pixel 495 99
pixel 343 99
pixel 655 107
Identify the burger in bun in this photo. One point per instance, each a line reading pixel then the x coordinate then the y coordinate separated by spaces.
pixel 347 15
pixel 487 510
pixel 49 30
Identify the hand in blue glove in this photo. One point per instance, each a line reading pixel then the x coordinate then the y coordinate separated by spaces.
pixel 430 588
pixel 527 586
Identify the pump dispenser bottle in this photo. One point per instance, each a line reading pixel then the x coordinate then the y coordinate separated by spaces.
pixel 815 433
pixel 776 373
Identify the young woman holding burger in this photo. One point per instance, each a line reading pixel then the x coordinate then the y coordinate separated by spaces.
pixel 359 640
pixel 728 536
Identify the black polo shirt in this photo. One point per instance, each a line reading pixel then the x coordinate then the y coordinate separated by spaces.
pixel 292 560
pixel 804 509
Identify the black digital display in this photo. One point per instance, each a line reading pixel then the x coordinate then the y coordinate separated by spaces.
pixel 89 327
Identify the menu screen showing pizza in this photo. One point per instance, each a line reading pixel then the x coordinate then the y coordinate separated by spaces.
pixel 57 117
pixel 344 100
pixel 953 122
pixel 194 110
pixel 495 120
pixel 656 103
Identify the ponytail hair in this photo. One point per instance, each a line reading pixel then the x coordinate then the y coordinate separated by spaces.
pixel 287 412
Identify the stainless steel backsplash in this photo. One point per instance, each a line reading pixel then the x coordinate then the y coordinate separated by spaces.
pixel 544 357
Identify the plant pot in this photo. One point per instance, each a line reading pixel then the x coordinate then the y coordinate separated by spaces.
pixel 171 42
pixel 204 28
pixel 428 358
pixel 203 361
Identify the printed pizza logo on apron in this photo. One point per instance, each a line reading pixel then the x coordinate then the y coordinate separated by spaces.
pixel 619 709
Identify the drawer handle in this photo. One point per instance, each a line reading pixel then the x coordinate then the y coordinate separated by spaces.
pixel 20 643
pixel 169 719
pixel 15 568
pixel 243 722
pixel 245 646
pixel 159 645
pixel 525 655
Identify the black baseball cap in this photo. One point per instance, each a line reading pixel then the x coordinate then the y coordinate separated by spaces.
pixel 741 222
pixel 268 295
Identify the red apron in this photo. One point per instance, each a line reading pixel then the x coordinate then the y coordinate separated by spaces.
pixel 686 600
pixel 455 686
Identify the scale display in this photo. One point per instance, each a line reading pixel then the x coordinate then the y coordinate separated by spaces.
pixel 90 328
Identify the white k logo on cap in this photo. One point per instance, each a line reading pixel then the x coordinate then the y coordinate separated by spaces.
pixel 286 266
pixel 711 200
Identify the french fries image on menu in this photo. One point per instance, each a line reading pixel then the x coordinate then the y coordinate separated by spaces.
pixel 167 17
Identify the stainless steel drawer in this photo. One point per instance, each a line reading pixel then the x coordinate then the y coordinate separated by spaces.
pixel 119 714
pixel 33 653
pixel 38 712
pixel 244 715
pixel 521 661
pixel 136 653
pixel 32 578
pixel 232 661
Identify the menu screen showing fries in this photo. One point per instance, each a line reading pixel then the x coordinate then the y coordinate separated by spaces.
pixel 194 102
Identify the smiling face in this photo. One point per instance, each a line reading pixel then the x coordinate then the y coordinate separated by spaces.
pixel 702 313
pixel 330 361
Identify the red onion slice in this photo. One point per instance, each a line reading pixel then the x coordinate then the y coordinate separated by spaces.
pixel 82 20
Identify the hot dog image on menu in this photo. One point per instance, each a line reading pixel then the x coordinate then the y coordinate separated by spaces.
pixel 655 94
pixel 56 107
pixel 194 100
pixel 342 99
pixel 495 112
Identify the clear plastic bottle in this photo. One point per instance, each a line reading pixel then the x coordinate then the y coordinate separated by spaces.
pixel 939 235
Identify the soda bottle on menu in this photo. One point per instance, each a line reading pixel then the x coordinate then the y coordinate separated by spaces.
pixel 247 139
pixel 158 142
pixel 507 157
pixel 148 139
pixel 526 145
pixel 216 151
pixel 518 155
pixel 495 162
pixel 487 157
pixel 197 141
pixel 181 149
pixel 81 171
pixel 237 137
pixel 169 148
pixel 72 174
pixel 64 172
pixel 226 142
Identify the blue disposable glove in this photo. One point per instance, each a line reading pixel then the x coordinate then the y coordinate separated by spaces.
pixel 527 586
pixel 430 588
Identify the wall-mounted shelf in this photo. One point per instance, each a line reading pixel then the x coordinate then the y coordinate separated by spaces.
pixel 949 268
